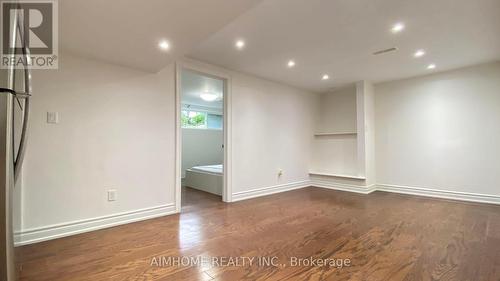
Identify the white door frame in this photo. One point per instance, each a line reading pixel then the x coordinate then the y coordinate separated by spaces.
pixel 208 71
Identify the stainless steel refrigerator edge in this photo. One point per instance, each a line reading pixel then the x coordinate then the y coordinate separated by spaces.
pixel 11 158
pixel 7 270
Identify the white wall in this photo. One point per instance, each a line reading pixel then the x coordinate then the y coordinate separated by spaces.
pixel 441 131
pixel 272 129
pixel 336 154
pixel 116 131
pixel 338 111
pixel 201 147
pixel 365 102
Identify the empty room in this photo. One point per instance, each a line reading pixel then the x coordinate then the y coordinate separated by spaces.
pixel 250 140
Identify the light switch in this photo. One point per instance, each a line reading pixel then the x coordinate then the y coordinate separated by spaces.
pixel 52 117
pixel 112 195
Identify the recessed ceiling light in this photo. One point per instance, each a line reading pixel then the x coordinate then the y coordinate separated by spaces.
pixel 325 77
pixel 208 96
pixel 291 63
pixel 398 27
pixel 164 45
pixel 240 44
pixel 431 66
pixel 419 53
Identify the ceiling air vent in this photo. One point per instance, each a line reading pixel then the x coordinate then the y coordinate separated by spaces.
pixel 385 51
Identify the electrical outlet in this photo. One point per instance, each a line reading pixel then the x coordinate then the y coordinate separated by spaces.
pixel 112 195
pixel 52 117
pixel 280 173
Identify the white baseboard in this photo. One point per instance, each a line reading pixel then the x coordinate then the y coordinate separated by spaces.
pixel 343 186
pixel 243 195
pixel 40 234
pixel 50 232
pixel 439 193
pixel 419 191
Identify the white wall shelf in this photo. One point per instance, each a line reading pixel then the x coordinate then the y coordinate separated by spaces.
pixel 337 175
pixel 335 134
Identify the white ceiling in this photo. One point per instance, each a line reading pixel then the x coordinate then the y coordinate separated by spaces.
pixel 338 37
pixel 127 32
pixel 193 84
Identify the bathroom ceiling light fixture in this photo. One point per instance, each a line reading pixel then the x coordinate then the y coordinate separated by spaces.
pixel 325 77
pixel 431 66
pixel 208 96
pixel 291 63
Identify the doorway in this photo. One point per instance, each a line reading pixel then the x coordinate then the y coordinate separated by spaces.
pixel 202 166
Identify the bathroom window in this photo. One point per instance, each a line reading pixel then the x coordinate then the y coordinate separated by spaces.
pixel 201 120
pixel 214 121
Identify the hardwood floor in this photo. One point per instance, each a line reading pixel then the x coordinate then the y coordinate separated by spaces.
pixel 196 200
pixel 385 236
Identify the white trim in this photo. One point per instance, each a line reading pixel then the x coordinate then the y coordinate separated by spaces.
pixel 213 72
pixel 39 234
pixel 360 127
pixel 336 175
pixel 227 189
pixel 362 189
pixel 335 134
pixel 201 129
pixel 437 193
pixel 258 192
pixel 178 140
pixel 410 190
pixel 201 108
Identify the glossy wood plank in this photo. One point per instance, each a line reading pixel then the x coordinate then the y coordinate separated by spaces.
pixel 386 237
